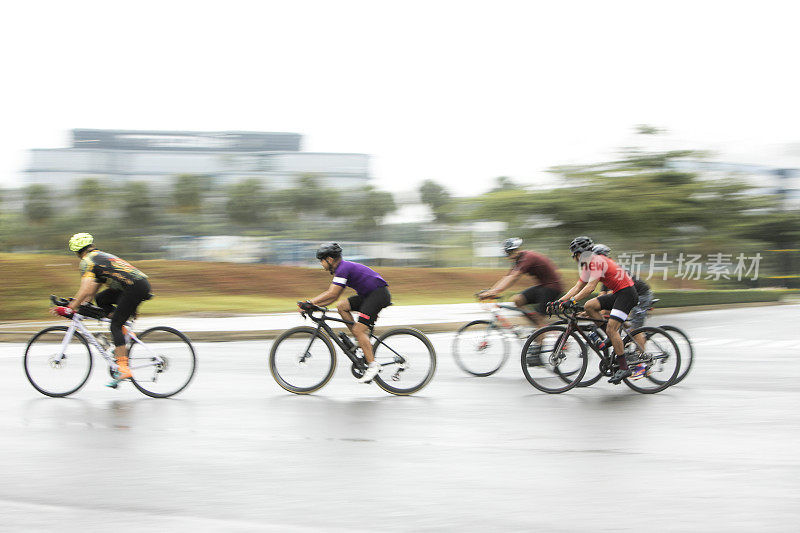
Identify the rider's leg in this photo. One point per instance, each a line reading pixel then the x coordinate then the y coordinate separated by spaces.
pixel 612 329
pixel 107 299
pixel 126 307
pixel 521 301
pixel 638 316
pixel 361 333
pixel 345 311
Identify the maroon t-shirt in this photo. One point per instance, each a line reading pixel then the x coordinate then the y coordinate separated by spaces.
pixel 540 266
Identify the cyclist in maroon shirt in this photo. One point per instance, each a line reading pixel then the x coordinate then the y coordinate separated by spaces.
pixel 535 265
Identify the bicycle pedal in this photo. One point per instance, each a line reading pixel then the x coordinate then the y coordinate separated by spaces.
pixel 113 384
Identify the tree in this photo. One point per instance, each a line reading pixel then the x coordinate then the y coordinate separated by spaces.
pixel 189 191
pixel 504 183
pixel 436 197
pixel 307 196
pixel 38 204
pixel 90 194
pixel 138 209
pixel 247 202
pixel 648 200
pixel 376 205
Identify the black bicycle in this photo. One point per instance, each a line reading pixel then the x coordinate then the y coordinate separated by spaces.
pixel 659 354
pixel 685 348
pixel 302 360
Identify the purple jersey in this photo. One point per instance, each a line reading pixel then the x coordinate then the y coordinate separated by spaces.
pixel 357 276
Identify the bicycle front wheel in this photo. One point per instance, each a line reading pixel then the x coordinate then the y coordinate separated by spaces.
pixel 661 357
pixel 54 371
pixel 302 360
pixel 480 348
pixel 407 360
pixel 163 364
pixel 686 349
pixel 553 361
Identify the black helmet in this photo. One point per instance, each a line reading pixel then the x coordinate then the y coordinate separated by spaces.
pixel 581 244
pixel 329 249
pixel 509 245
pixel 601 249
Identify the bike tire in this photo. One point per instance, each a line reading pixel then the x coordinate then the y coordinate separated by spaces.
pixel 549 377
pixel 302 336
pixel 406 343
pixel 687 356
pixel 28 363
pixel 177 352
pixel 467 353
pixel 668 341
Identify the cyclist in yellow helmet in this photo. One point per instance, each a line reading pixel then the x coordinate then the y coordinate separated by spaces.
pixel 127 287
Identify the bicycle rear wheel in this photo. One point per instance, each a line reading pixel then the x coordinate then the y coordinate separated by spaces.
pixel 407 359
pixel 686 349
pixel 562 359
pixel 54 372
pixel 661 357
pixel 302 360
pixel 164 364
pixel 480 348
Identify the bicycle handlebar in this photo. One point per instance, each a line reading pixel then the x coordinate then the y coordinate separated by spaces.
pixel 309 308
pixel 480 292
pixel 55 300
pixel 565 312
pixel 87 310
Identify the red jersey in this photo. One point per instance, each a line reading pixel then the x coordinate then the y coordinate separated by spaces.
pixel 607 271
pixel 539 266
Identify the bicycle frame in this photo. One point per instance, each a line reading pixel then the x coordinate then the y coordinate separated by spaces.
pixel 504 324
pixel 571 321
pixel 321 322
pixel 572 326
pixel 78 325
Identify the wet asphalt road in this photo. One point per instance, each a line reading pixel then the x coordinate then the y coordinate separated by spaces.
pixel 235 452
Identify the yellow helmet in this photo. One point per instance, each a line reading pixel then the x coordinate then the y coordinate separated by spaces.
pixel 80 241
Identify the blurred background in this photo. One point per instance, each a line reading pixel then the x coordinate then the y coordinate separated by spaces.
pixel 215 144
pixel 250 134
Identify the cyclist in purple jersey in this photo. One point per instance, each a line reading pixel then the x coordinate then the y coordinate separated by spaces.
pixel 372 295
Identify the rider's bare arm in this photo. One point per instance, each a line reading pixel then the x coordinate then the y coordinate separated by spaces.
pixel 504 283
pixel 329 296
pixel 573 291
pixel 86 292
pixel 587 290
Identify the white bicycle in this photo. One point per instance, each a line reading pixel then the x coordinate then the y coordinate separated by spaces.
pixel 58 360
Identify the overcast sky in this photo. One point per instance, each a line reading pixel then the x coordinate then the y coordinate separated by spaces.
pixel 459 92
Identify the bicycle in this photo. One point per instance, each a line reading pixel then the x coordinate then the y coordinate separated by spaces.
pixel 661 355
pixel 481 347
pixel 685 348
pixel 302 360
pixel 162 359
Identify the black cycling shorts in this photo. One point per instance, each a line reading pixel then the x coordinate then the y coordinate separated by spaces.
pixel 126 301
pixel 540 296
pixel 368 307
pixel 619 303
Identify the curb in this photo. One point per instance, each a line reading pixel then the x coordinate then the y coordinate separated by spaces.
pixel 24 334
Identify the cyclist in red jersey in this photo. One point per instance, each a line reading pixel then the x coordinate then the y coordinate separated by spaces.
pixel 594 269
